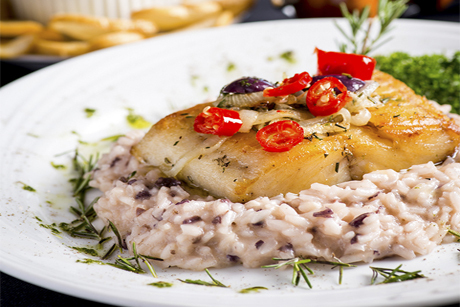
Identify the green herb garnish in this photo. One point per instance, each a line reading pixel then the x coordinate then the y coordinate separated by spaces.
pixel 231 66
pixel 288 56
pixel 214 283
pixel 58 166
pixel 112 138
pixel 82 226
pixel 27 187
pixel 161 284
pixel 455 233
pixel 52 227
pixel 131 264
pixel 393 275
pixel 299 264
pixel 137 121
pixel 89 112
pixel 435 76
pixel 252 289
pixel 85 250
pixel 360 40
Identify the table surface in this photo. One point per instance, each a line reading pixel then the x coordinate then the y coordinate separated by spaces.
pixel 15 292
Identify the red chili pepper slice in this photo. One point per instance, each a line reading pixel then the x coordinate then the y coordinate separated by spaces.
pixel 280 136
pixel 290 85
pixel 322 100
pixel 222 122
pixel 337 63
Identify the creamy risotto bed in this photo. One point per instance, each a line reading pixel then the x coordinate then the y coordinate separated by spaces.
pixel 387 213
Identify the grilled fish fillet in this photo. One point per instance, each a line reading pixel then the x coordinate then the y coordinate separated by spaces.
pixel 406 130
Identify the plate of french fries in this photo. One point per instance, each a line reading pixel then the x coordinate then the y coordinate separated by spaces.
pixel 68 34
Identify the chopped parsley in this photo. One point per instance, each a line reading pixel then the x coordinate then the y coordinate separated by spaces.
pixel 137 121
pixel 85 250
pixel 435 76
pixel 52 227
pixel 89 112
pixel 288 56
pixel 58 166
pixel 27 187
pixel 231 67
pixel 112 138
pixel 161 284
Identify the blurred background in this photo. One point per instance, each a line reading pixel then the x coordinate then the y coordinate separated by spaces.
pixel 36 33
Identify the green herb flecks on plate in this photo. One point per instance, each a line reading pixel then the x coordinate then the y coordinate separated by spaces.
pixel 137 121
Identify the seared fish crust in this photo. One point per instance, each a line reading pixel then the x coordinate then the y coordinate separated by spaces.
pixel 406 130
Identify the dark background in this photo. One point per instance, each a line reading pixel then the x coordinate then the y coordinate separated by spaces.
pixel 15 292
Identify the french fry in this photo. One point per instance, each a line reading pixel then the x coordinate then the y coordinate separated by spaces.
pixel 17 46
pixel 114 38
pixel 236 6
pixel 74 34
pixel 224 19
pixel 81 27
pixel 169 18
pixel 52 35
pixel 16 28
pixel 64 49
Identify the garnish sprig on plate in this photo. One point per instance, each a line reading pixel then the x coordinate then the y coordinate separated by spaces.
pixel 393 275
pixel 455 233
pixel 214 283
pixel 83 226
pixel 299 264
pixel 360 40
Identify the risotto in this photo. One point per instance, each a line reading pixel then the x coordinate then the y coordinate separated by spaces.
pixel 387 213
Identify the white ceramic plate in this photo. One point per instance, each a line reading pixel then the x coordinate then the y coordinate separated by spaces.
pixel 42 115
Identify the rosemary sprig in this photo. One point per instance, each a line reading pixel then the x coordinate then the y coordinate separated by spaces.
pixel 130 264
pixel 455 233
pixel 393 275
pixel 299 264
pixel 214 283
pixel 83 227
pixel 252 289
pixel 360 41
pixel 117 234
pixel 161 284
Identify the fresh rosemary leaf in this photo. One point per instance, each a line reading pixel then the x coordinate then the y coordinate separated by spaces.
pixel 110 251
pixel 149 266
pixel 252 289
pixel 455 233
pixel 198 282
pixel 359 40
pixel 27 187
pixel 299 264
pixel 144 259
pixel 112 138
pixel 117 234
pixel 85 250
pixel 393 275
pixel 161 284
pixel 214 283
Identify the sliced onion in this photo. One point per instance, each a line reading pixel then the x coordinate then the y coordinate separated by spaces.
pixel 248 117
pixel 361 118
pixel 239 100
pixel 272 115
pixel 321 125
pixel 368 88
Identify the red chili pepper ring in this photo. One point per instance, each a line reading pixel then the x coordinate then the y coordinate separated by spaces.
pixel 222 122
pixel 322 100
